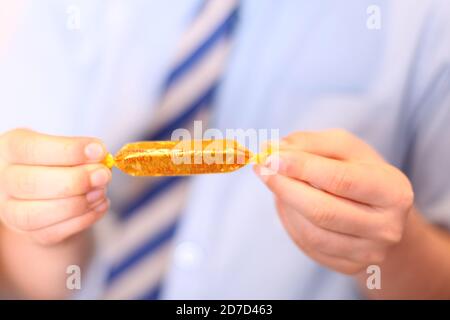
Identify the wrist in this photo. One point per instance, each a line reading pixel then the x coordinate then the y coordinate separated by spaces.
pixel 31 270
pixel 416 235
pixel 407 263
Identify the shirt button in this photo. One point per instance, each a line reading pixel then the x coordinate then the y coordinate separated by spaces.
pixel 188 255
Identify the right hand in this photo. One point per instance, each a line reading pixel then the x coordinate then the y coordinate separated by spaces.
pixel 51 187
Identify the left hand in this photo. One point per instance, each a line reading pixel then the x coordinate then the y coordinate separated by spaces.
pixel 340 202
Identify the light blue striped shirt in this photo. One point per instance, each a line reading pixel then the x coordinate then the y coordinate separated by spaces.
pixel 295 65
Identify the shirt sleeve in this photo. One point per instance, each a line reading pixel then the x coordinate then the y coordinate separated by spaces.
pixel 428 158
pixel 93 276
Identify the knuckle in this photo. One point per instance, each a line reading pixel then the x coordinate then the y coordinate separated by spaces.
pixel 295 136
pixel 9 212
pixel 392 233
pixel 72 150
pixel 404 195
pixel 301 168
pixel 405 199
pixel 77 183
pixel 20 144
pixel 351 269
pixel 70 185
pixel 341 182
pixel 21 217
pixel 301 139
pixel 26 183
pixel 374 257
pixel 75 208
pixel 323 215
pixel 19 183
pixel 378 257
pixel 339 133
pixel 311 239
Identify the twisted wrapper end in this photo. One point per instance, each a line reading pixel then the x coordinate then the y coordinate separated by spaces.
pixel 109 161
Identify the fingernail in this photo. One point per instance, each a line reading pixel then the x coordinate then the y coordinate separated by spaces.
pixel 94 151
pixel 102 206
pixel 95 195
pixel 100 177
pixel 263 173
pixel 275 163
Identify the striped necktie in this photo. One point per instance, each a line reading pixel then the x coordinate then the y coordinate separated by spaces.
pixel 147 225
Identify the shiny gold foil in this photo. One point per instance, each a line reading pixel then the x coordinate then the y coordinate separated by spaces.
pixel 174 158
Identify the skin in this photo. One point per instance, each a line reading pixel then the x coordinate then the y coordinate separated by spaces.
pixel 360 211
pixel 52 189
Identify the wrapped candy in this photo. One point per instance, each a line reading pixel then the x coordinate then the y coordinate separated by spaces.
pixel 186 157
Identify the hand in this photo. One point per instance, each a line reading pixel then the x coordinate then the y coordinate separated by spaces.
pixel 340 202
pixel 51 187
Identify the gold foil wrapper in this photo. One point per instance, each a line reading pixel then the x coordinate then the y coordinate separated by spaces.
pixel 175 158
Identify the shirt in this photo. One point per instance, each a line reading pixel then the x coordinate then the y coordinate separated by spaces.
pixel 295 65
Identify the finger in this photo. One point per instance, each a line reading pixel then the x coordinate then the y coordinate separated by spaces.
pixel 373 184
pixel 37 214
pixel 45 183
pixel 330 243
pixel 331 212
pixel 23 146
pixel 59 232
pixel 338 264
pixel 334 143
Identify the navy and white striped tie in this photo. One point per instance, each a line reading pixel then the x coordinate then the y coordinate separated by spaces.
pixel 142 253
